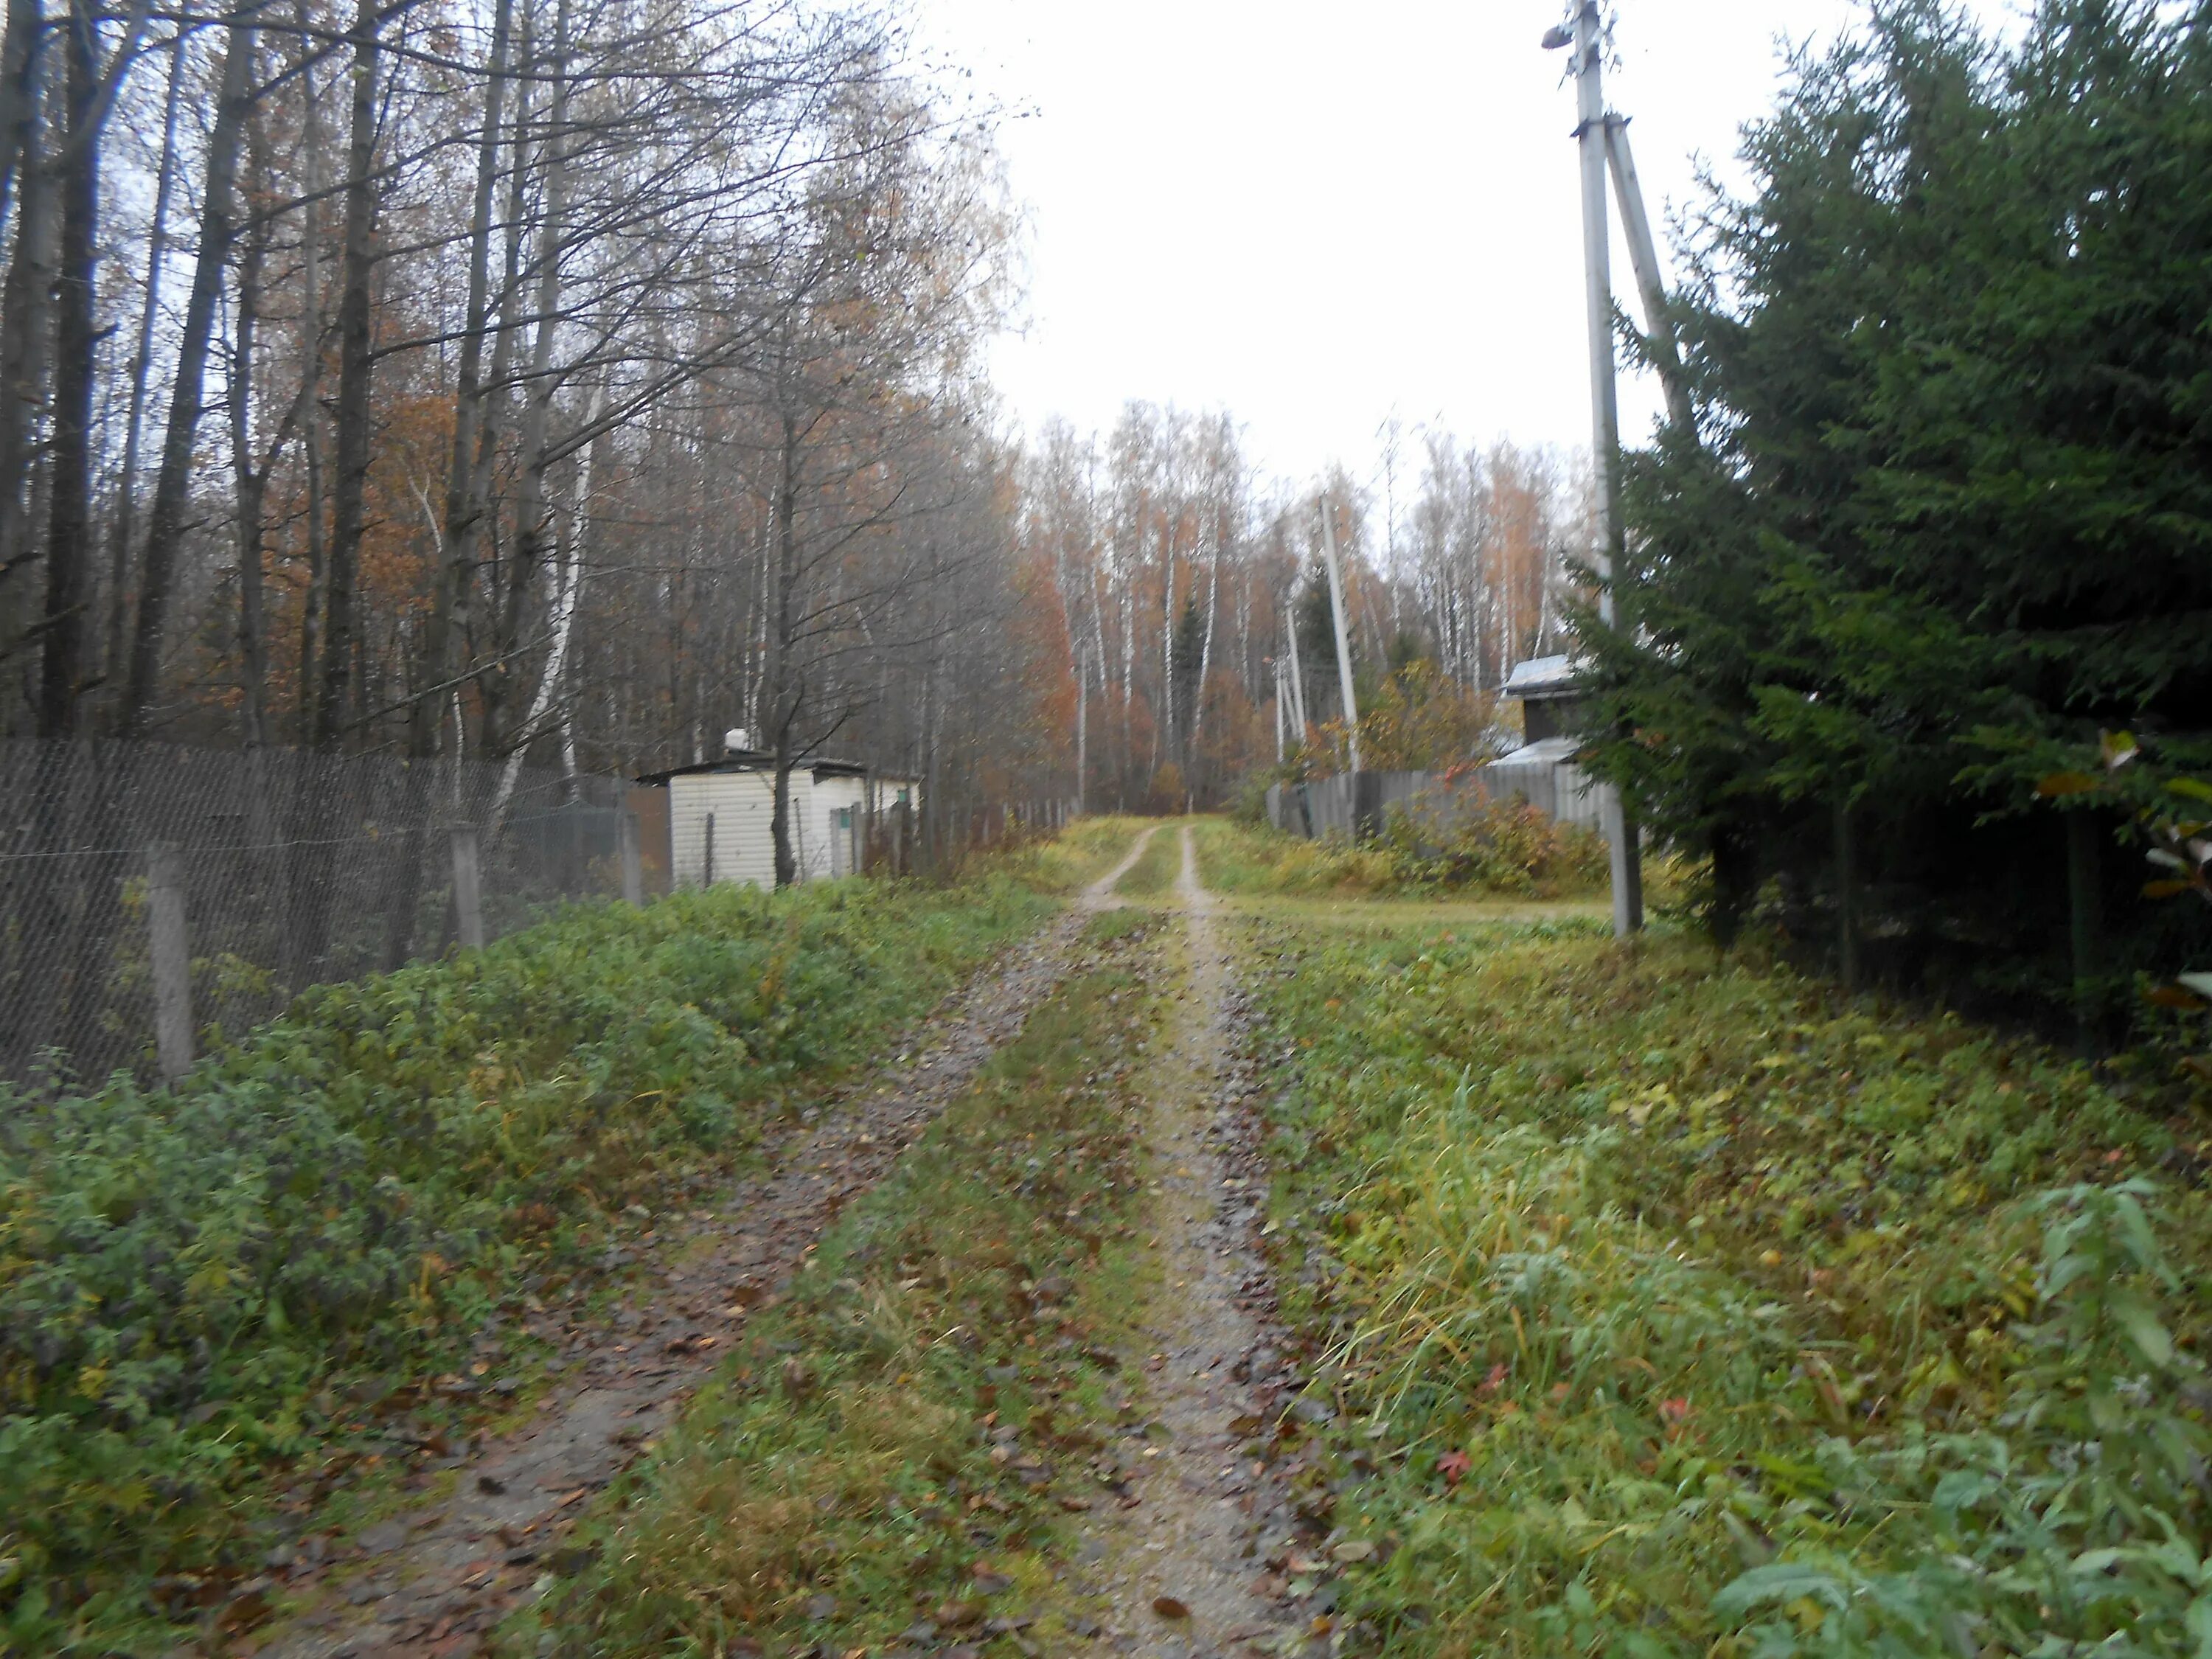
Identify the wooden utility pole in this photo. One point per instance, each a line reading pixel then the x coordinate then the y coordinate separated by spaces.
pixel 1343 645
pixel 1591 133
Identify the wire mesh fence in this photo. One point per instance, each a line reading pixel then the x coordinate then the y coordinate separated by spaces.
pixel 269 871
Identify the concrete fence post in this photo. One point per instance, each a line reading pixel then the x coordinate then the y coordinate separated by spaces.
pixel 629 849
pixel 468 888
pixel 172 961
pixel 707 863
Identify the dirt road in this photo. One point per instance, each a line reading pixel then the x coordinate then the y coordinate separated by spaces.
pixel 1186 1567
pixel 435 1579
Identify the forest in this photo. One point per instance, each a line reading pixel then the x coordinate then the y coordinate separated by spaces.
pixel 578 382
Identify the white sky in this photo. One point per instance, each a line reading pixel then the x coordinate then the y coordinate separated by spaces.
pixel 1315 215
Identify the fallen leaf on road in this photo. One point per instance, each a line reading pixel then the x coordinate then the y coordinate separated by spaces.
pixel 1168 1607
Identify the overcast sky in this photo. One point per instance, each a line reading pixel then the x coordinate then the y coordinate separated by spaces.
pixel 1317 215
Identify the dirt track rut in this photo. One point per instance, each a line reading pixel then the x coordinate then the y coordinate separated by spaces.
pixel 1185 1568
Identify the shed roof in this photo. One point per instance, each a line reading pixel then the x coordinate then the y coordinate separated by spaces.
pixel 756 760
pixel 1544 677
pixel 1545 752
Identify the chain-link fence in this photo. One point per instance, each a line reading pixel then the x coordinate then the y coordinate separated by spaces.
pixel 151 895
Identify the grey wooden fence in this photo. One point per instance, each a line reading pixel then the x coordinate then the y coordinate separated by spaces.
pixel 1355 806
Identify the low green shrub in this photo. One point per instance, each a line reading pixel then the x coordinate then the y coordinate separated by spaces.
pixel 350 1189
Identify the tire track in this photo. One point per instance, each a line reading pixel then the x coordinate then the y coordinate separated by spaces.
pixel 1185 1567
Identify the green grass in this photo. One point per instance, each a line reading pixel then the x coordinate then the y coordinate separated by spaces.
pixel 838 1483
pixel 1074 858
pixel 197 1285
pixel 1154 873
pixel 1507 850
pixel 1686 1309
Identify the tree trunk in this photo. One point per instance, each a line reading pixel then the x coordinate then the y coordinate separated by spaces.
pixel 349 500
pixel 311 369
pixel 26 339
pixel 2085 838
pixel 567 586
pixel 125 524
pixel 533 508
pixel 463 509
pixel 783 700
pixel 1847 893
pixel 19 95
pixel 253 481
pixel 165 518
pixel 453 569
pixel 69 523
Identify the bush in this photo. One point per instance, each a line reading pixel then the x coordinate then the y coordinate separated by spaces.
pixel 352 1187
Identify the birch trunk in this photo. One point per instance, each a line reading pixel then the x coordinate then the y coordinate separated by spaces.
pixel 568 583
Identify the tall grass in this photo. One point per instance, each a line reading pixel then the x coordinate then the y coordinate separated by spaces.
pixel 1508 849
pixel 1695 1312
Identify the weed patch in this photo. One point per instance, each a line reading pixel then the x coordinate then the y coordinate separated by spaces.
pixel 1683 1309
pixel 897 1447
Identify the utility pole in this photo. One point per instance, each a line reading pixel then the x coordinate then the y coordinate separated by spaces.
pixel 1592 134
pixel 1297 675
pixel 1343 647
pixel 1643 255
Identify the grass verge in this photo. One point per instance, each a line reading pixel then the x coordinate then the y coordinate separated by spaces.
pixel 1070 861
pixel 1155 872
pixel 1508 849
pixel 202 1291
pixel 1684 1308
pixel 895 1450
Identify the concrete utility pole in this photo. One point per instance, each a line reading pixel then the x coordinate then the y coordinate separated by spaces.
pixel 1643 255
pixel 1593 135
pixel 1297 675
pixel 1343 644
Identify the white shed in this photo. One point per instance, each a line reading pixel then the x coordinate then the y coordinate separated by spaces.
pixel 721 817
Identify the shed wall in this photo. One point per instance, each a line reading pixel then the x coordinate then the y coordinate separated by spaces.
pixel 742 805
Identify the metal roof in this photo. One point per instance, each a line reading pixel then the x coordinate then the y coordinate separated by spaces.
pixel 1543 677
pixel 756 760
pixel 1545 752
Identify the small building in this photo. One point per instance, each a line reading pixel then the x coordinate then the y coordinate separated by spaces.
pixel 1543 770
pixel 720 813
